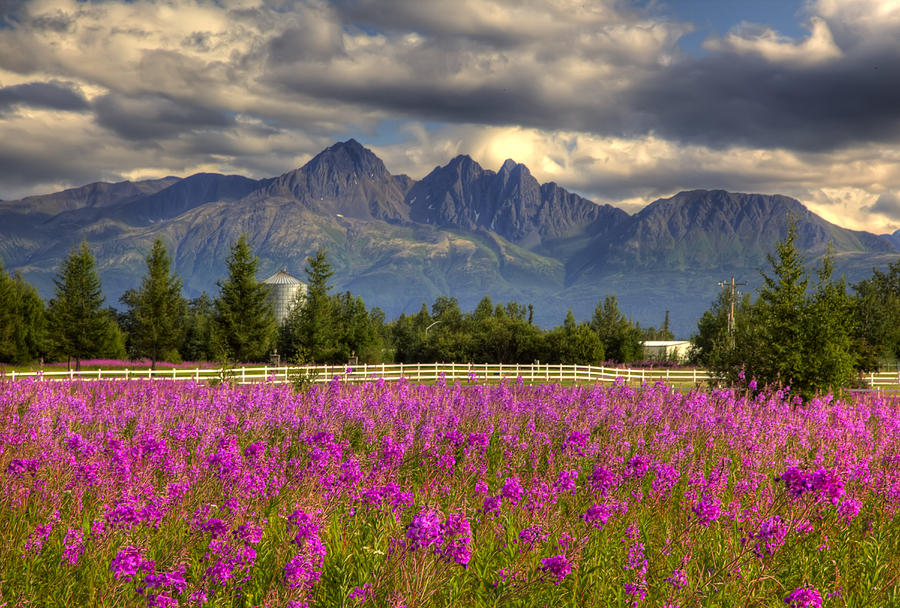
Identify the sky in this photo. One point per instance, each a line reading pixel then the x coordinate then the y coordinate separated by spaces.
pixel 622 101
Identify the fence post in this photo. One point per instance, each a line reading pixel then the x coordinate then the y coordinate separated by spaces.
pixel 243 374
pixel 14 375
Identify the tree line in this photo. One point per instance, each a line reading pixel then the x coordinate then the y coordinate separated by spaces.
pixel 803 330
pixel 806 330
pixel 238 324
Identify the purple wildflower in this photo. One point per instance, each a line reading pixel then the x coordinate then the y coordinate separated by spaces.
pixel 678 579
pixel 425 529
pixel 602 480
pixel 708 509
pixel 597 515
pixel 823 483
pixel 73 546
pixel 804 597
pixel 492 504
pixel 127 562
pixel 558 566
pixel 512 490
pixel 456 533
pixel 770 536
pixel 636 467
pixel 565 481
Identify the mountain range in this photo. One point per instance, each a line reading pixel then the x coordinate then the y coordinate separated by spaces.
pixel 461 230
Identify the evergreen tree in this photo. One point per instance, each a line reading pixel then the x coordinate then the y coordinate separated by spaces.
pixel 876 331
pixel 408 336
pixel 830 353
pixel 309 332
pixel 789 335
pixel 244 319
pixel 358 331
pixel 620 337
pixel 197 343
pixel 156 311
pixel 711 345
pixel 22 320
pixel 782 313
pixel 79 326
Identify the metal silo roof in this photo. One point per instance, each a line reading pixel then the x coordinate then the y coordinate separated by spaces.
pixel 282 278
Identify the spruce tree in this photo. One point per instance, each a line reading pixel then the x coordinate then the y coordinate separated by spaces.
pixel 22 320
pixel 156 310
pixel 79 326
pixel 310 331
pixel 244 319
pixel 781 310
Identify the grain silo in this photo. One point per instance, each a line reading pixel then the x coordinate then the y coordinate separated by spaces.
pixel 284 290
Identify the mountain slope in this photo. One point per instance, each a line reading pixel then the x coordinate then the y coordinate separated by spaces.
pixel 510 203
pixel 345 179
pixel 718 229
pixel 462 230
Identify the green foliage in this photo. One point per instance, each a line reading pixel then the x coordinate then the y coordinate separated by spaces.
pixel 663 333
pixel 22 320
pixel 156 311
pixel 244 327
pixel 574 343
pixel 79 327
pixel 790 335
pixel 620 337
pixel 323 328
pixel 877 333
pixel 197 340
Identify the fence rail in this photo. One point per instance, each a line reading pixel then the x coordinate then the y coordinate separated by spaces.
pixel 415 372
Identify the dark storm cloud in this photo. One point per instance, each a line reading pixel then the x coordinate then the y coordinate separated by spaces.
pixel 887 205
pixel 150 117
pixel 728 99
pixel 800 100
pixel 54 95
pixel 504 101
pixel 10 11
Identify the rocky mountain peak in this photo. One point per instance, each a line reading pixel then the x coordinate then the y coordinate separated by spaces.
pixel 348 157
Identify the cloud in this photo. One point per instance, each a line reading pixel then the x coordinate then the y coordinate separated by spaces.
pixel 597 96
pixel 818 48
pixel 156 116
pixel 888 204
pixel 54 94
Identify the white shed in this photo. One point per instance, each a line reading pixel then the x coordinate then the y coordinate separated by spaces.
pixel 670 350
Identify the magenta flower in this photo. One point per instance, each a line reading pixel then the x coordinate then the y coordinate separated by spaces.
pixel 127 562
pixel 557 566
pixel 804 597
pixel 512 490
pixel 425 529
pixel 73 546
pixel 707 510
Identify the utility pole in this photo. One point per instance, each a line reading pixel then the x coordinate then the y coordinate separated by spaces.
pixel 732 286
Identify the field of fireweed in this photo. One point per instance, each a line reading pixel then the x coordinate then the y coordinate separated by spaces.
pixel 164 494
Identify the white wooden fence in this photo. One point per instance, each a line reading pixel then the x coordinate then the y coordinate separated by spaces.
pixel 415 372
